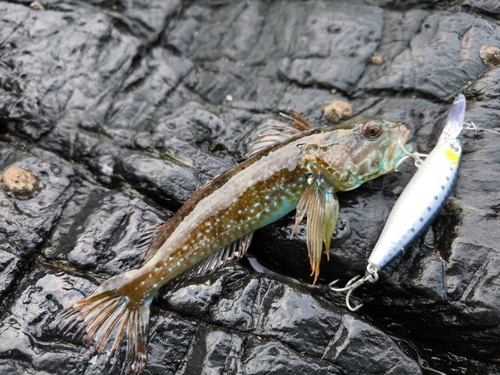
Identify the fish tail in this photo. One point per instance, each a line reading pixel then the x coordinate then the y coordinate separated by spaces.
pixel 109 317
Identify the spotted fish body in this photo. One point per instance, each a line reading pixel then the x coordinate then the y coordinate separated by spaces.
pixel 299 167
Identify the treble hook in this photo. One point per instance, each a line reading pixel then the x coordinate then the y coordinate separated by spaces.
pixel 371 276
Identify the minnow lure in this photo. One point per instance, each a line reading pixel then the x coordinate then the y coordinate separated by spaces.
pixel 420 201
pixel 296 166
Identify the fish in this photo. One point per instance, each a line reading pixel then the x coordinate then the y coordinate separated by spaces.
pixel 420 202
pixel 294 166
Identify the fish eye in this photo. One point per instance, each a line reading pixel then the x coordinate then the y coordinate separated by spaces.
pixel 372 130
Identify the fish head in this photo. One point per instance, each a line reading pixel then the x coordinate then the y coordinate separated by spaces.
pixel 360 150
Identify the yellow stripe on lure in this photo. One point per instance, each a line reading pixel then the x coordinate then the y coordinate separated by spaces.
pixel 295 166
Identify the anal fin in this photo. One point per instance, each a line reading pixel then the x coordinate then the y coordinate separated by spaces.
pixel 233 251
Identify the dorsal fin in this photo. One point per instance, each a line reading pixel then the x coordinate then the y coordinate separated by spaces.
pixel 161 233
pixel 165 230
pixel 235 250
pixel 285 131
pixel 145 239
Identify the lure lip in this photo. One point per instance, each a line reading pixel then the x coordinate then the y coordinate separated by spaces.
pixel 455 120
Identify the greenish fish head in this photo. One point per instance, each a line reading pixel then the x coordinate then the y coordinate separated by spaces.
pixel 361 150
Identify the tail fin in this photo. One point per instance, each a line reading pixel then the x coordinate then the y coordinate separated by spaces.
pixel 109 315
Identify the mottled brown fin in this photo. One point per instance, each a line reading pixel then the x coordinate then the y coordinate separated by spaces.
pixel 284 132
pixel 110 318
pixel 235 250
pixel 322 210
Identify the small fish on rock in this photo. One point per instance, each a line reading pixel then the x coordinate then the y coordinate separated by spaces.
pixel 293 166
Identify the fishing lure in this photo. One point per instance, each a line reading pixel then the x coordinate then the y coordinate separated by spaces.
pixel 296 166
pixel 420 201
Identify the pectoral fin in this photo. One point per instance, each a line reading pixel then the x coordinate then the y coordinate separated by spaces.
pixel 322 210
pixel 331 217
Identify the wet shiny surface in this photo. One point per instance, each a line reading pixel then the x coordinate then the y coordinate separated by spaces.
pixel 122 122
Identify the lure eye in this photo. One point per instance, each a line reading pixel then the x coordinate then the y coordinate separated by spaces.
pixel 372 130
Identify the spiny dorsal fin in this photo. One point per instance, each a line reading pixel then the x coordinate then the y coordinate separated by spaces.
pixel 322 208
pixel 235 250
pixel 285 131
pixel 298 121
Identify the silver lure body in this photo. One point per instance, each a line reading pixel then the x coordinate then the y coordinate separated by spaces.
pixel 425 194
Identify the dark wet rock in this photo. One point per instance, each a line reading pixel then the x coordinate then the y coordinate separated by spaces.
pixel 26 224
pixel 288 318
pixel 307 55
pixel 122 108
pixel 9 272
pixel 158 178
pixel 277 322
pixel 433 37
pixel 107 241
pixel 20 112
pixel 488 7
pixel 170 343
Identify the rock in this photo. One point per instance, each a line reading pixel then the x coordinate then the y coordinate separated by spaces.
pixel 9 272
pixel 20 183
pixel 122 111
pixel 336 110
pixel 377 59
pixel 490 56
pixel 450 38
pixel 490 8
pixel 27 224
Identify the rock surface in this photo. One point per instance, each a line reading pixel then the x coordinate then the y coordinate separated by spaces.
pixel 123 109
